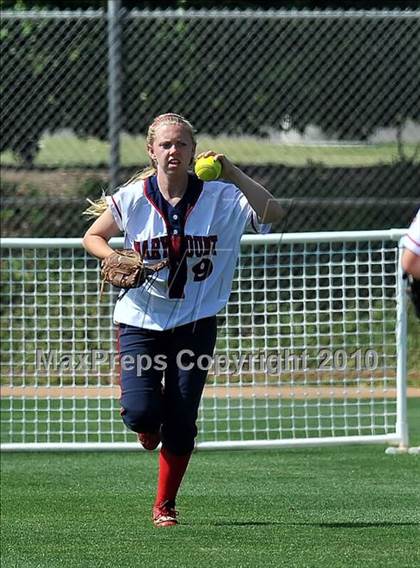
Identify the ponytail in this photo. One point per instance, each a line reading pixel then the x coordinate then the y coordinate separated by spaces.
pixel 99 206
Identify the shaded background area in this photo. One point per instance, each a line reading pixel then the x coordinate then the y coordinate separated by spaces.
pixel 316 198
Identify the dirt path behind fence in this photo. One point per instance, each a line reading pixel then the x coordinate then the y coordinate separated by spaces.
pixel 247 392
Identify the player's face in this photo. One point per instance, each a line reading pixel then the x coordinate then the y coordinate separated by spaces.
pixel 172 149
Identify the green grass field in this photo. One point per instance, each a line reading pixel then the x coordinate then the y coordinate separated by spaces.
pixel 320 507
pixel 67 150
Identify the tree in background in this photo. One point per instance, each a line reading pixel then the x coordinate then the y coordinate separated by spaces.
pixel 39 56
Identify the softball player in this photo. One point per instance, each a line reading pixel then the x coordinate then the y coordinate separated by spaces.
pixel 167 325
pixel 411 255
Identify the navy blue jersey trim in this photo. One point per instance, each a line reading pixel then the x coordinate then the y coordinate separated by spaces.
pixel 253 224
pixel 183 207
pixel 151 196
pixel 116 207
pixel 177 245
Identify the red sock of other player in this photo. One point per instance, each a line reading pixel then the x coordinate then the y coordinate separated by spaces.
pixel 171 472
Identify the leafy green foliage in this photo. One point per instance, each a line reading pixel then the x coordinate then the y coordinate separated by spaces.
pixel 285 60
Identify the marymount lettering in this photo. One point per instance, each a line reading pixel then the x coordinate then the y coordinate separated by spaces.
pixel 157 248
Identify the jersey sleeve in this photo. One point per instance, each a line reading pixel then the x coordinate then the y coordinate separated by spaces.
pixel 241 216
pixel 411 240
pixel 122 203
pixel 256 226
pixel 114 203
pixel 252 222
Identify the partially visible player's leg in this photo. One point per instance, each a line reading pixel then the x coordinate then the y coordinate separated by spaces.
pixel 141 383
pixel 182 395
pixel 184 383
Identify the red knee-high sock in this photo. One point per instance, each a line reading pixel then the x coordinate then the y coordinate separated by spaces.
pixel 171 472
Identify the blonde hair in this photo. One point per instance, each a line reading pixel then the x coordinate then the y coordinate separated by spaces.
pixel 99 206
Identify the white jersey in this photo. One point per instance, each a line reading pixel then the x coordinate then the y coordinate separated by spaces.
pixel 411 240
pixel 200 237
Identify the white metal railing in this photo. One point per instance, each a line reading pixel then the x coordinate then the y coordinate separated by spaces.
pixel 318 320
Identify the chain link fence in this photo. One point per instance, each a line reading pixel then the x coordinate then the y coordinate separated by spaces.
pixel 322 107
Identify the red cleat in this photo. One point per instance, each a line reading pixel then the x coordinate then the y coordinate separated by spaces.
pixel 164 514
pixel 149 440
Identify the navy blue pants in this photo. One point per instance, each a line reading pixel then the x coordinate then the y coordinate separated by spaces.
pixel 162 379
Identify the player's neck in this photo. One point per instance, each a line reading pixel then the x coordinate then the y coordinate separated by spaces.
pixel 172 187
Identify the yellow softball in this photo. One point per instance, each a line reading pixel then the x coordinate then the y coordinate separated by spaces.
pixel 208 169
